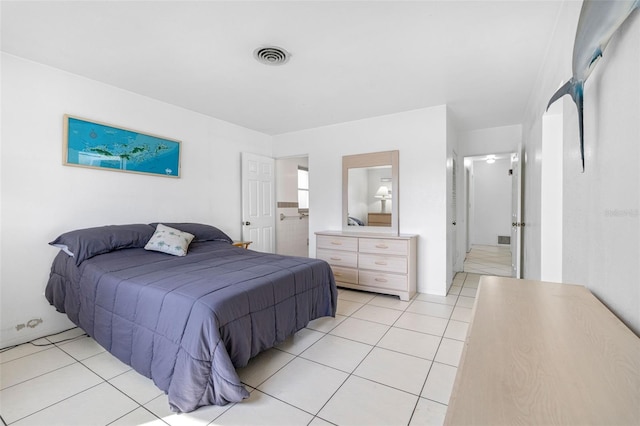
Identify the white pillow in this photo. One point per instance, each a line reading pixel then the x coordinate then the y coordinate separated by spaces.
pixel 169 240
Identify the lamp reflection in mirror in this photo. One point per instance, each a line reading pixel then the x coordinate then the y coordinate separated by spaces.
pixel 384 194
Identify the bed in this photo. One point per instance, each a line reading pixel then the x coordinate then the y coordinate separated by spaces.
pixel 186 321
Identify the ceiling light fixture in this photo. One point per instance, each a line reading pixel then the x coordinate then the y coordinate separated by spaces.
pixel 271 55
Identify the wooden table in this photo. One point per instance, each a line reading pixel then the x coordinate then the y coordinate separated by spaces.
pixel 543 354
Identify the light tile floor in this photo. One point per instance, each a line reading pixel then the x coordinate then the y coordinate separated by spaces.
pixel 489 260
pixel 379 361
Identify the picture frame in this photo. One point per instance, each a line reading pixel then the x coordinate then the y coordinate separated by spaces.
pixel 97 145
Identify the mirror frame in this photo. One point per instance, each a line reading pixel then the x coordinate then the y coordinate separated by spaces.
pixel 372 159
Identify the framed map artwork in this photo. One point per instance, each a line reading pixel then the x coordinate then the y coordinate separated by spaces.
pixel 102 146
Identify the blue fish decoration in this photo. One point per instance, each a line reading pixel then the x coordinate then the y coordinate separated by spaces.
pixel 599 20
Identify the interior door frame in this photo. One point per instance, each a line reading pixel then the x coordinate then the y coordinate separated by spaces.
pixel 517 225
pixel 467 207
pixel 516 190
pixel 455 192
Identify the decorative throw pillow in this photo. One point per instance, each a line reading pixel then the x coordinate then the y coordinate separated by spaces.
pixel 169 240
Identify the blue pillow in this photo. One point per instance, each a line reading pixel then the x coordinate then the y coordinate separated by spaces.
pixel 83 244
pixel 201 231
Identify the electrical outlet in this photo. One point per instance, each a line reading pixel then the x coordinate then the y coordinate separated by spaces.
pixel 32 323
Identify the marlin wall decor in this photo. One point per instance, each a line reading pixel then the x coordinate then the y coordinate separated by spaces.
pixel 599 20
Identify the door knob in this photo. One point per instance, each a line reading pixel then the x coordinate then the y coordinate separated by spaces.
pixel 247 223
pixel 453 223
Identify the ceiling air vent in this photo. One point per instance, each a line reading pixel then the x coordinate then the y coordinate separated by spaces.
pixel 271 55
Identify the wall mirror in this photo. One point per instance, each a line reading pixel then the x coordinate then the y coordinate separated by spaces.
pixel 370 192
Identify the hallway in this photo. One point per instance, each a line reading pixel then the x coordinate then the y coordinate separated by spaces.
pixel 489 260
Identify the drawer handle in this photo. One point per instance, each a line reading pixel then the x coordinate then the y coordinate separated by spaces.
pixel 335 258
pixel 382 246
pixel 380 262
pixel 336 243
pixel 380 280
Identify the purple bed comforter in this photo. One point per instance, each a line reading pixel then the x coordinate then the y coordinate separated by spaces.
pixel 188 322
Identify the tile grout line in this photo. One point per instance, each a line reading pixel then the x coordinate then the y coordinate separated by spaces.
pixel 147 410
pixel 42 374
pixel 295 356
pixel 59 345
pixel 442 337
pixel 315 362
pixel 362 360
pixel 436 353
pixel 55 403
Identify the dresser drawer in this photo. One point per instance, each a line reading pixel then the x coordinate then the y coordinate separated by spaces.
pixel 382 280
pixel 345 275
pixel 331 242
pixel 338 258
pixel 384 246
pixel 382 263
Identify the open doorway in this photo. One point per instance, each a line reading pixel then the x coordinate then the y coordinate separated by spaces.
pixel 292 206
pixel 488 184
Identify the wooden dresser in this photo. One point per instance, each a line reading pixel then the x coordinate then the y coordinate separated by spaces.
pixel 379 219
pixel 382 263
pixel 544 353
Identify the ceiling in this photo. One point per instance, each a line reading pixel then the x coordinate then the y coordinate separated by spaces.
pixel 350 59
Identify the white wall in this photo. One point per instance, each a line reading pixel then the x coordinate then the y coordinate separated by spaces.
pixel 492 198
pixel 421 138
pixel 494 140
pixel 606 198
pixel 600 211
pixel 551 193
pixel 41 198
pixel 555 70
pixel 292 233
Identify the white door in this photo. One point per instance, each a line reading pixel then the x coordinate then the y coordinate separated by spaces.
pixel 258 209
pixel 516 217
